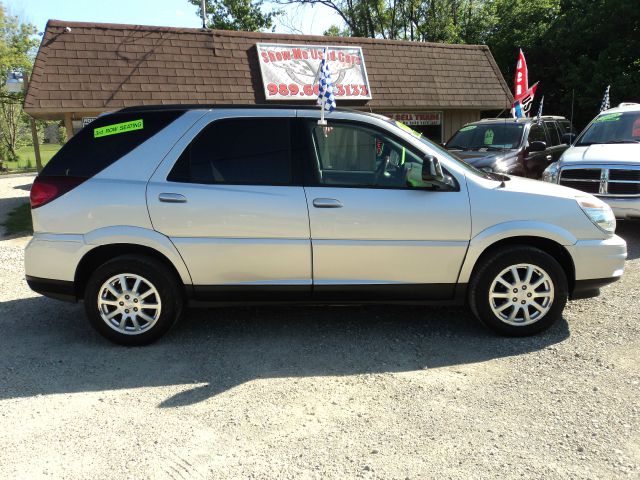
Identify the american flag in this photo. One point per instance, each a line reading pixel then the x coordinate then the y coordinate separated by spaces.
pixel 605 105
pixel 326 98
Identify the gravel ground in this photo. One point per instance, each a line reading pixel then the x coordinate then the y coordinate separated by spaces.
pixel 341 392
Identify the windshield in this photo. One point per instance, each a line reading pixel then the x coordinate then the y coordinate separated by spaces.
pixel 490 136
pixel 448 155
pixel 612 128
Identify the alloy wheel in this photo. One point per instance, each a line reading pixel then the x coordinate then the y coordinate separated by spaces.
pixel 129 303
pixel 521 294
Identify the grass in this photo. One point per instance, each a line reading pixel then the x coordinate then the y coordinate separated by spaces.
pixel 19 221
pixel 27 157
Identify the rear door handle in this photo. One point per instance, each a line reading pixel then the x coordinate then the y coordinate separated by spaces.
pixel 172 198
pixel 327 203
pixel 549 157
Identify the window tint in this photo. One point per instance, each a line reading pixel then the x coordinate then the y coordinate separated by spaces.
pixel 554 135
pixel 353 155
pixel 536 134
pixel 492 135
pixel 565 127
pixel 238 151
pixel 105 140
pixel 616 127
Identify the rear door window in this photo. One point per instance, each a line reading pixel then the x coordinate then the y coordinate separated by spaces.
pixel 552 130
pixel 105 140
pixel 240 151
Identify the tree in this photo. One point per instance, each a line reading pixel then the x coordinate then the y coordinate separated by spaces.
pixel 452 21
pixel 16 55
pixel 244 15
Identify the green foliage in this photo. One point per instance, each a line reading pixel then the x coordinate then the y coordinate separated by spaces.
pixel 19 221
pixel 16 55
pixel 334 31
pixel 17 45
pixel 26 156
pixel 244 15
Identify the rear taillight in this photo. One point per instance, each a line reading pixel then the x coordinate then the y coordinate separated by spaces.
pixel 46 189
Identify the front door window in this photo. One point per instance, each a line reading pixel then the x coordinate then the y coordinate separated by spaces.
pixel 358 156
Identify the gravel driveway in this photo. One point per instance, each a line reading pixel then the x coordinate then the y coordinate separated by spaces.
pixel 341 392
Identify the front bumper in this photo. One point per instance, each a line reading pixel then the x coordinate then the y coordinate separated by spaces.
pixel 623 207
pixel 597 263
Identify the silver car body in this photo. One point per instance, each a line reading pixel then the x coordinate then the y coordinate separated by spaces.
pixel 242 236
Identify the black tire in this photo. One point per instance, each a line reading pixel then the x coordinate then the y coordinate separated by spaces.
pixel 497 262
pixel 158 274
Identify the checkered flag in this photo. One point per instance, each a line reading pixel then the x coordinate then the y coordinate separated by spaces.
pixel 605 100
pixel 326 99
pixel 539 121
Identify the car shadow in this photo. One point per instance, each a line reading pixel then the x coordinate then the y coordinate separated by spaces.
pixel 26 187
pixel 630 231
pixel 47 347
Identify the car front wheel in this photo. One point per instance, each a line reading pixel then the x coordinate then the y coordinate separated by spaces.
pixel 519 291
pixel 133 300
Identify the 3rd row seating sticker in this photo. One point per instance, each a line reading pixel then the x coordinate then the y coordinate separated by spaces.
pixel 117 128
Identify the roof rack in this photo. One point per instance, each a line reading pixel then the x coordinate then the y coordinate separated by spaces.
pixel 218 106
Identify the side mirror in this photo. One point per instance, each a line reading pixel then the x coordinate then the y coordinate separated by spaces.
pixel 432 170
pixel 568 138
pixel 537 146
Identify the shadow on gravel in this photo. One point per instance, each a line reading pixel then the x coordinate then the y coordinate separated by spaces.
pixel 26 187
pixel 630 231
pixel 48 347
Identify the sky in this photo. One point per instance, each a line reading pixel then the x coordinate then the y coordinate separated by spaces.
pixel 171 13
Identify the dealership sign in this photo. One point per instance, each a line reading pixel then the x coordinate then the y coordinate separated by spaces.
pixel 290 72
pixel 415 119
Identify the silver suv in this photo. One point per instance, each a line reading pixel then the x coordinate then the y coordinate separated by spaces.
pixel 152 208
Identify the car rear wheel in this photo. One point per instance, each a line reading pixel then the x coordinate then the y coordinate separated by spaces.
pixel 133 300
pixel 519 291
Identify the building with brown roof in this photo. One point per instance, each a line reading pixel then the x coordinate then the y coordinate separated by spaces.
pixel 85 69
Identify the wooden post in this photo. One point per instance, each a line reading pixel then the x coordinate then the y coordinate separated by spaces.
pixel 34 130
pixel 36 145
pixel 68 123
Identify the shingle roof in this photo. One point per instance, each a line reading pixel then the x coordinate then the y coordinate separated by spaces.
pixel 96 67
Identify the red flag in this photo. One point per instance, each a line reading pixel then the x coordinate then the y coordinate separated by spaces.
pixel 521 107
pixel 521 84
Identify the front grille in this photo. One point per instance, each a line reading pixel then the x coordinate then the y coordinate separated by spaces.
pixel 589 187
pixel 624 188
pixel 582 174
pixel 603 181
pixel 632 175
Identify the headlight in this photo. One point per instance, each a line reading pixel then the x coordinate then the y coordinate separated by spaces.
pixel 599 213
pixel 550 173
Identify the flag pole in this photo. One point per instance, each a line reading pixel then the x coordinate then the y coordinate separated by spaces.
pixel 322 121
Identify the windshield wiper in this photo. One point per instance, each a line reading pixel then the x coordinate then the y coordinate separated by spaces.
pixel 623 141
pixel 457 147
pixel 491 147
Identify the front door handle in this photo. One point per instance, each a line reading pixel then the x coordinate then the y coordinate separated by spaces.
pixel 172 198
pixel 327 203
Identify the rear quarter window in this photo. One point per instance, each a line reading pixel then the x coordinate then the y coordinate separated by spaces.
pixel 106 140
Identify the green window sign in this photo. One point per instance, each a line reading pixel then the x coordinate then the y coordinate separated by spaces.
pixel 117 128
